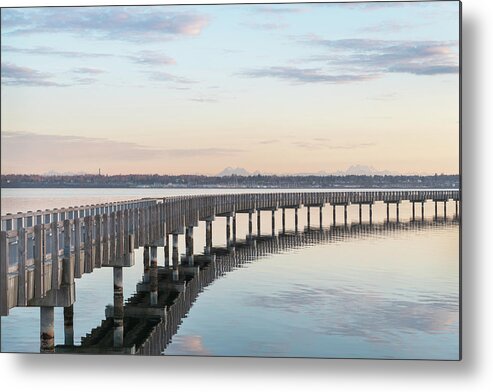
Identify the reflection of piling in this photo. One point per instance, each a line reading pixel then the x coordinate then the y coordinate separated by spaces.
pixel 47 329
pixel 117 307
pixel 153 277
pixel 68 324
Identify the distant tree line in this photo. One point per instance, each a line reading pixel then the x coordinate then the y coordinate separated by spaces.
pixel 233 181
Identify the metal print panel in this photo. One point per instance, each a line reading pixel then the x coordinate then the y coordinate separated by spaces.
pixel 266 180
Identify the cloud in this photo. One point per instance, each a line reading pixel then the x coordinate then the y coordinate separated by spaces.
pixel 15 75
pixel 115 23
pixel 160 76
pixel 266 26
pixel 306 75
pixel 326 144
pixel 373 316
pixel 88 70
pixel 152 58
pixel 278 9
pixel 204 100
pixel 47 51
pixel 389 56
pixel 19 148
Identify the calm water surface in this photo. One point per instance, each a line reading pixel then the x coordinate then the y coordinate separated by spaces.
pixel 385 294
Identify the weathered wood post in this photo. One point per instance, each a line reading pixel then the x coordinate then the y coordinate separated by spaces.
pixel 250 224
pixel 234 227
pixel 153 285
pixel 414 214
pixel 388 212
pixel 371 213
pixel 320 217
pixel 445 209
pixel 21 264
pixel 189 245
pixel 397 211
pixel 117 307
pixel 308 216
pixel 283 220
pixel 166 250
pixel 228 230
pixel 333 214
pixel 422 210
pixel 97 250
pixel 175 256
pixel 68 325
pixel 146 263
pixel 47 329
pixel 296 219
pixel 208 236
pixel 345 214
pixel 273 223
pixel 258 223
pixel 456 208
pixel 360 214
pixel 39 258
pixel 4 267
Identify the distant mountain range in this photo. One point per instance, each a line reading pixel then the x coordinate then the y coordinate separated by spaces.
pixel 355 170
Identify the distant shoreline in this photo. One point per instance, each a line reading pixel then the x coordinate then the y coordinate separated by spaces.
pixel 142 181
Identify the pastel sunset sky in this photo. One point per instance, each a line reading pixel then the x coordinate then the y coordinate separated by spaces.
pixel 286 88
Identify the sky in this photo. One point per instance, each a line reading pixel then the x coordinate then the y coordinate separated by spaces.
pixel 285 88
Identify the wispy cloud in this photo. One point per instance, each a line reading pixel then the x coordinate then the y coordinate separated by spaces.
pixel 15 75
pixel 326 144
pixel 265 26
pixel 204 100
pixel 306 75
pixel 47 51
pixel 22 146
pixel 88 70
pixel 152 58
pixel 116 23
pixel 389 56
pixel 160 76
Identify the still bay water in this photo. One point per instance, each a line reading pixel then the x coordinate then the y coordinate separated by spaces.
pixel 385 294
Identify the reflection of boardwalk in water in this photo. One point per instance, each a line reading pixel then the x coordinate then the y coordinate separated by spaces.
pixel 152 316
pixel 43 252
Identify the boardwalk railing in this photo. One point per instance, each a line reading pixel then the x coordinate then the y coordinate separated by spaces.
pixel 42 252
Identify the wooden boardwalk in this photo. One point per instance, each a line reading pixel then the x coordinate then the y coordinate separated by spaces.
pixel 43 252
pixel 150 321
